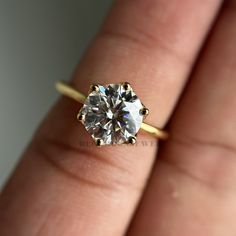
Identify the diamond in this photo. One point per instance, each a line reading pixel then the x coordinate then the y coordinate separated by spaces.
pixel 111 113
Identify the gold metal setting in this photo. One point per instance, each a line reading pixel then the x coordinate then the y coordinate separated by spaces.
pixel 69 91
pixel 99 142
pixel 94 88
pixel 132 140
pixel 126 86
pixel 81 118
pixel 144 111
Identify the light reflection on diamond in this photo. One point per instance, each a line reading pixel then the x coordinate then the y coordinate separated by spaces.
pixel 112 114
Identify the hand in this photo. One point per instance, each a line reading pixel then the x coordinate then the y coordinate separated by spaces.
pixel 62 187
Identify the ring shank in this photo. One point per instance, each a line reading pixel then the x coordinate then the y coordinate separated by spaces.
pixel 70 92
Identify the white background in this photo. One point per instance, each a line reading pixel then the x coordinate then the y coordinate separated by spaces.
pixel 40 42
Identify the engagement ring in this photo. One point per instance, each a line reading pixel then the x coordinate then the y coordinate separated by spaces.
pixel 112 114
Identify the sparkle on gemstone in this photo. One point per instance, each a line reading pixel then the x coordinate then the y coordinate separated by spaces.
pixel 112 114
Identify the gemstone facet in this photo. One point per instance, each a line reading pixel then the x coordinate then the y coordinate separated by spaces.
pixel 111 114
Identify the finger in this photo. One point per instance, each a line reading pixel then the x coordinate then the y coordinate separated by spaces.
pixel 192 190
pixel 66 188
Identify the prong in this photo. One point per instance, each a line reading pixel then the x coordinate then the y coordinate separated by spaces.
pixel 94 88
pixel 144 111
pixel 81 117
pixel 132 140
pixel 99 142
pixel 127 86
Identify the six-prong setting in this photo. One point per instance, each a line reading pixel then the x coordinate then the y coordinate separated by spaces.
pixel 99 142
pixel 94 88
pixel 112 114
pixel 144 111
pixel 81 118
pixel 132 140
pixel 113 102
pixel 127 86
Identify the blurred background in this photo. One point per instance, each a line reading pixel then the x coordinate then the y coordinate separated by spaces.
pixel 40 42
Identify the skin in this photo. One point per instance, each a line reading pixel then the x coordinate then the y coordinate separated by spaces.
pixel 187 187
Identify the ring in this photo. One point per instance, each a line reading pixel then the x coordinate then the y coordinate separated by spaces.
pixel 112 114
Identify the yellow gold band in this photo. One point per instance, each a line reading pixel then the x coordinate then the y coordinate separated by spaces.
pixel 70 92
